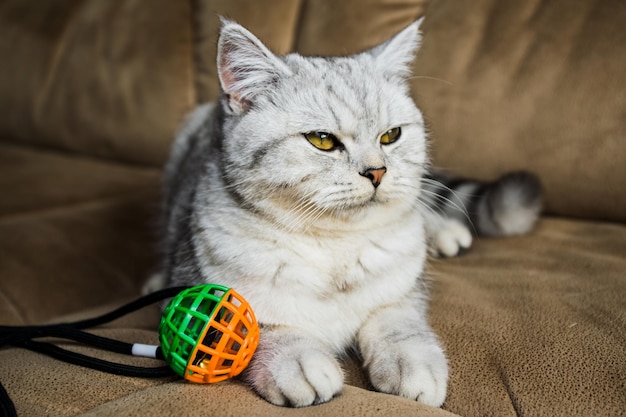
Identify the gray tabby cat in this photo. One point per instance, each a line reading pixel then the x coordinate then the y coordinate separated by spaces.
pixel 301 189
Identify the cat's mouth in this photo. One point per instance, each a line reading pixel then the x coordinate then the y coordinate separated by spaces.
pixel 363 201
pixel 343 202
pixel 326 213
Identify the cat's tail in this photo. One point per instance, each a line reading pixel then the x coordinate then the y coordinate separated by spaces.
pixel 507 206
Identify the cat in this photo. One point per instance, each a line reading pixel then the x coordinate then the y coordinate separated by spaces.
pixel 307 189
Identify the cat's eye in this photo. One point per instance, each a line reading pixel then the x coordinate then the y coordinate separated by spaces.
pixel 323 141
pixel 390 136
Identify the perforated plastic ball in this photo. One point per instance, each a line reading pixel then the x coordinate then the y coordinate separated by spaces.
pixel 208 333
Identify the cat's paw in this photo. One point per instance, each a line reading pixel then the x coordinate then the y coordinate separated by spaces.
pixel 412 371
pixel 295 376
pixel 450 239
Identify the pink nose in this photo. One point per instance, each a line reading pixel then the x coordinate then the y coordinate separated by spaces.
pixel 374 174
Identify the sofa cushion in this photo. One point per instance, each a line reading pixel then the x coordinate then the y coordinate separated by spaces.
pixel 533 85
pixel 76 232
pixel 526 333
pixel 276 25
pixel 66 390
pixel 330 27
pixel 536 325
pixel 109 79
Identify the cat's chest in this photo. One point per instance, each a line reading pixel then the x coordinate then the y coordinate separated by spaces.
pixel 334 284
pixel 351 261
pixel 321 263
pixel 347 263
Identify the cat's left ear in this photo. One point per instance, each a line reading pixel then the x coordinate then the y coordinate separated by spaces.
pixel 246 67
pixel 397 54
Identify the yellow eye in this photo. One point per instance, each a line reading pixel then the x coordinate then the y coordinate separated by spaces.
pixel 323 141
pixel 391 136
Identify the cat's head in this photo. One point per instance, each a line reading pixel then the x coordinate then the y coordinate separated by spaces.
pixel 316 138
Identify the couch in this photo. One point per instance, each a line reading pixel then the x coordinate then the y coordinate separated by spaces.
pixel 92 92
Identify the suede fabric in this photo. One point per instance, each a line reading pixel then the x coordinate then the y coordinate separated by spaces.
pixel 275 23
pixel 530 85
pixel 67 391
pixel 358 24
pixel 39 180
pixel 534 326
pixel 105 79
pixel 526 335
pixel 74 232
pixel 91 93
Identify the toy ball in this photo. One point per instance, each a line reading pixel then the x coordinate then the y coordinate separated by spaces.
pixel 208 333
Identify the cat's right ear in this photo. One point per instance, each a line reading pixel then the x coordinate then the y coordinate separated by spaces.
pixel 246 68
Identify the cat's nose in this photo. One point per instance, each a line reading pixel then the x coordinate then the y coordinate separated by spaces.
pixel 374 174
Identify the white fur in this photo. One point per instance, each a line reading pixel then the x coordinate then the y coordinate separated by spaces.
pixel 308 271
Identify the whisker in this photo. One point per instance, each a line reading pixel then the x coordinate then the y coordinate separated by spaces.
pixel 302 209
pixel 460 208
pixel 307 217
pixel 439 184
pixel 424 206
pixel 304 212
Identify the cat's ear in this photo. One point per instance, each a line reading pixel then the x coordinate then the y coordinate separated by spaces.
pixel 397 54
pixel 246 67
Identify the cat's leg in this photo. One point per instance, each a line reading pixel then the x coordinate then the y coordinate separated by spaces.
pixel 402 354
pixel 292 369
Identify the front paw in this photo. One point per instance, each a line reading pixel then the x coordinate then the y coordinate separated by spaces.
pixel 295 375
pixel 413 371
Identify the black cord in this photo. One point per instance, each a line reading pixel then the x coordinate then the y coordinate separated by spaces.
pixel 63 331
pixel 21 336
pixel 142 302
pixel 9 334
pixel 79 359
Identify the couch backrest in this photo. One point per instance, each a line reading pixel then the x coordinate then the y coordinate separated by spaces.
pixel 531 85
pixel 109 79
pixel 504 85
